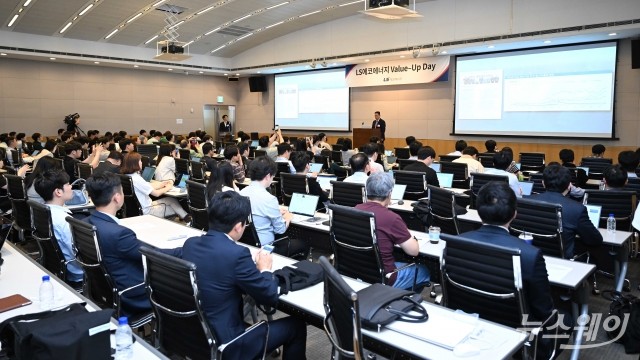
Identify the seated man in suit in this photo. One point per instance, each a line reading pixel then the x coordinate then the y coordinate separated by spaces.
pixel 118 244
pixel 391 230
pixel 226 271
pixel 112 164
pixel 360 167
pixel 497 204
pixel 414 147
pixel 575 221
pixel 615 178
pixel 426 155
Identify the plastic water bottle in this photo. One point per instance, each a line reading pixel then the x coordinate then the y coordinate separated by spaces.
pixel 611 224
pixel 46 293
pixel 602 185
pixel 124 350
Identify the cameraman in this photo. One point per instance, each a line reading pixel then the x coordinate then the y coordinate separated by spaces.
pixel 72 122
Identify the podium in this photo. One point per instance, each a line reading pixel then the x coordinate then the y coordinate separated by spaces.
pixel 362 136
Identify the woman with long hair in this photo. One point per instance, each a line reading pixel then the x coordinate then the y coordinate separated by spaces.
pixel 166 168
pixel 221 179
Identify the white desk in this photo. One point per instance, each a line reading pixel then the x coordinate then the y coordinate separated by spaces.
pixel 86 206
pixel 21 275
pixel 158 232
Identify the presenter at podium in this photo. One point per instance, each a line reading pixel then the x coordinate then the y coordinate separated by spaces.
pixel 379 124
pixel 225 125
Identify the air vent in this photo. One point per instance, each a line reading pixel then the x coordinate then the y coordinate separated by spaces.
pixel 235 30
pixel 173 9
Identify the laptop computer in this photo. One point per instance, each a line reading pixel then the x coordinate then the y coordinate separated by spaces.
pixel 254 143
pixel 518 165
pixel 445 179
pixel 435 167
pixel 586 169
pixel 594 212
pixel 527 187
pixel 315 167
pixel 398 192
pixel 391 159
pixel 325 181
pixel 304 205
pixel 147 173
pixel 388 152
pixel 195 158
pixel 181 182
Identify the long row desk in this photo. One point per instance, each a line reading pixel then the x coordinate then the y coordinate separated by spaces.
pixel 308 303
pixel 22 275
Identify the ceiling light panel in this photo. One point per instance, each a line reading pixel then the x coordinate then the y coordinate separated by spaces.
pixel 15 16
pixel 77 16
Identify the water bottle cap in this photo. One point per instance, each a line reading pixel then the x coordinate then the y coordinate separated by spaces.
pixel 123 320
pixel 610 215
pixel 45 278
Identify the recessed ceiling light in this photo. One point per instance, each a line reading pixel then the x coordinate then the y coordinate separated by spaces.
pixel 237 74
pixel 135 66
pixel 547 41
pixel 226 74
pixel 111 34
pixel 200 72
pixel 490 47
pixel 613 34
pixel 86 9
pixel 280 69
pixel 402 56
pixel 26 3
pixel 65 27
pixel 170 69
pixel 15 17
pixel 3 54
pixel 52 58
pixel 444 52
pixel 96 62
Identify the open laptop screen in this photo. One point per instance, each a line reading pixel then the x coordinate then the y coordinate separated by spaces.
pixel 148 172
pixel 594 214
pixel 527 187
pixel 435 167
pixel 586 169
pixel 181 181
pixel 254 143
pixel 398 192
pixel 445 179
pixel 315 167
pixel 303 204
pixel 325 181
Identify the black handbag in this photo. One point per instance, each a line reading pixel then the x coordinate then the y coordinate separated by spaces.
pixel 72 333
pixel 381 304
pixel 298 276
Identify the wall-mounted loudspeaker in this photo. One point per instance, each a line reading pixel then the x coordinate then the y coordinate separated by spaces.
pixel 635 54
pixel 233 78
pixel 257 84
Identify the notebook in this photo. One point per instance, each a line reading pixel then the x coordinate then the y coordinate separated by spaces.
pixel 325 181
pixel 435 167
pixel 586 169
pixel 147 173
pixel 594 214
pixel 398 192
pixel 445 179
pixel 315 167
pixel 526 186
pixel 303 205
pixel 13 302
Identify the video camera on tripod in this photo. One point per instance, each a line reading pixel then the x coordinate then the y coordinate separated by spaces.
pixel 71 119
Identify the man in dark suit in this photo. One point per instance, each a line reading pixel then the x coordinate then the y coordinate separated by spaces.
pixel 226 271
pixel 496 204
pixel 378 123
pixel 118 244
pixel 426 155
pixel 575 221
pixel 225 125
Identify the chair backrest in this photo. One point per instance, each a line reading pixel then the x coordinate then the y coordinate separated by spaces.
pixel 16 159
pixel 181 326
pixel 334 147
pixel 16 187
pixel 596 166
pixel 341 172
pixel 197 172
pixel 182 166
pixel 336 156
pixel 442 209
pixel 486 160
pixel 538 186
pixel 402 153
pixel 52 256
pixel 483 278
pixel 478 180
pixel 21 213
pixel 348 194
pixel 543 221
pixel 324 160
pixel 403 163
pixel 354 244
pixel 622 204
pixel 198 204
pixel 293 183
pixel 460 173
pixel 98 285
pixel 250 234
pixel 282 168
pixel 84 170
pixel 531 161
pixel 145 161
pixel 132 206
pixel 416 183
pixel 184 154
pixel 149 150
pixel 258 153
pixel 633 184
pixel 448 158
pixel 342 315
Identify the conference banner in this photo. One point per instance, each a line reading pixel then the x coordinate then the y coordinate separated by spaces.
pixel 398 72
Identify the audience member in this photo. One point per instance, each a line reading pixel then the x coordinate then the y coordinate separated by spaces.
pixel 567 157
pixel 300 161
pixel 501 162
pixel 470 157
pixel 226 271
pixel 598 150
pixel 347 151
pixel 490 145
pixel 414 147
pixel 460 145
pixel 166 168
pixel 232 156
pixel 44 165
pixel 112 164
pixel 221 179
pixel 615 177
pixel 209 162
pixel 74 152
pixel 371 151
pixel 284 152
pixel 426 156
pixel 408 140
pixel 360 167
pixel 629 161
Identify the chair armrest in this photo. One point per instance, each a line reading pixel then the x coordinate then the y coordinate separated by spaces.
pixel 388 275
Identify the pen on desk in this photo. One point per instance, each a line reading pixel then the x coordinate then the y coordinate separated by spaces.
pixel 177 237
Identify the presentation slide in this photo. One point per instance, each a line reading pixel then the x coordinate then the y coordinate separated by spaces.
pixel 312 100
pixel 565 91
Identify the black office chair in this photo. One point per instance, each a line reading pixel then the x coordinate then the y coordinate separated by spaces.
pixel 348 194
pixel 596 166
pixel 403 163
pixel 334 147
pixel 131 206
pixel 532 161
pixel 336 157
pixel 293 183
pixel 543 221
pixel 443 213
pixel 52 257
pixel 448 158
pixel 184 154
pixel 148 150
pixel 258 153
pixel 481 278
pixel 181 327
pixel 486 161
pixel 98 284
pixel 342 315
pixel 341 172
pixel 633 184
pixel 197 172
pixel 84 170
pixel 416 183
pixel 182 166
pixel 538 186
pixel 198 204
pixel 622 204
pixel 324 160
pixel 478 180
pixel 402 153
pixel 460 173
pixel 21 213
pixel 145 161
